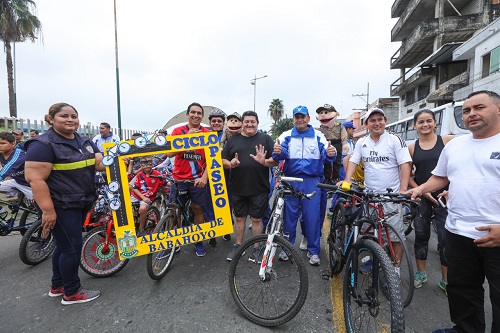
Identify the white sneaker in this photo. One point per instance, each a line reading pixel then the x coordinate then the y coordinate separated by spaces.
pixel 303 244
pixel 314 260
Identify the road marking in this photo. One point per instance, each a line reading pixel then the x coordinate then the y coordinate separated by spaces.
pixel 335 287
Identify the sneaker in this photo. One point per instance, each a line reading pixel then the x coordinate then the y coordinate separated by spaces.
pixel 250 226
pixel 445 330
pixel 200 249
pixel 314 260
pixel 212 242
pixel 443 284
pixel 283 256
pixel 227 237
pixel 419 279
pixel 82 296
pixel 56 292
pixel 231 254
pixel 255 256
pixel 329 215
pixel 303 244
pixel 367 267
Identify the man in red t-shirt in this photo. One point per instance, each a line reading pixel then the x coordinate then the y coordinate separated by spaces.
pixel 191 165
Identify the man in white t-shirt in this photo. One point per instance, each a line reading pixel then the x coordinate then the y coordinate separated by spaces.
pixel 386 161
pixel 105 136
pixel 471 164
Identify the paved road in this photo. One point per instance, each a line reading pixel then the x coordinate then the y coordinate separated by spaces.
pixel 193 296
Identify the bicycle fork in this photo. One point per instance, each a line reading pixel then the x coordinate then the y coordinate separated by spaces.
pixel 271 247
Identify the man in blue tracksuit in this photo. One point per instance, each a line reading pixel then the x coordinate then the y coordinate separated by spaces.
pixel 305 151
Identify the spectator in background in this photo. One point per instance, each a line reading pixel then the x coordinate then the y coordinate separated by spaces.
pixel 19 136
pixel 34 133
pixel 105 136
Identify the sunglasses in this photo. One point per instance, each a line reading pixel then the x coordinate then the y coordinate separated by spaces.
pixel 216 121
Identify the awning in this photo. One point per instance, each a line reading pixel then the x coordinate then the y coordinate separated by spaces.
pixel 442 55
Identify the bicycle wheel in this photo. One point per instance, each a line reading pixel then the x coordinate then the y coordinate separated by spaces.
pixel 33 248
pixel 281 296
pixel 336 238
pixel 157 263
pixel 152 218
pixel 372 302
pixel 27 218
pixel 162 208
pixel 100 256
pixel 405 265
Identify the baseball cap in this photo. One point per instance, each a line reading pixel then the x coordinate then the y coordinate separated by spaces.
pixel 300 109
pixel 18 132
pixel 373 111
pixel 234 115
pixel 349 124
pixel 327 107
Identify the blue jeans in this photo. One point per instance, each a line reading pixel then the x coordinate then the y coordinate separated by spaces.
pixel 67 233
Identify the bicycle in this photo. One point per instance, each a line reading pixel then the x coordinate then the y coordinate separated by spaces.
pixel 158 138
pixel 178 214
pixel 270 292
pixel 100 257
pixel 372 300
pixel 33 248
pixel 9 216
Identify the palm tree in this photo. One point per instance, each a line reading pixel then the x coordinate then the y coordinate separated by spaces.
pixel 281 126
pixel 276 109
pixel 17 23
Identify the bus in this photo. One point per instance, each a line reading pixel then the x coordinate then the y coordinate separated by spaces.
pixel 449 122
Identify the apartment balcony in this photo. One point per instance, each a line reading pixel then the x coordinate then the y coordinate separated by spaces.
pixel 412 12
pixel 420 43
pixel 444 93
pixel 401 87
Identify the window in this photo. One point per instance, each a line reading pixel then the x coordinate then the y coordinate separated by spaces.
pixel 410 97
pixel 411 133
pixel 458 117
pixel 423 90
pixel 448 71
pixel 439 120
pixel 491 62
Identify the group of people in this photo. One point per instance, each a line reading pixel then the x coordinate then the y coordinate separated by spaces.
pixel 58 168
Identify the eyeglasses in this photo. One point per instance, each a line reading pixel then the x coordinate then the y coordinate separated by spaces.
pixel 217 121
pixel 147 162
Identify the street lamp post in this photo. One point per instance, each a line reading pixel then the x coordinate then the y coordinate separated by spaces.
pixel 254 83
pixel 117 77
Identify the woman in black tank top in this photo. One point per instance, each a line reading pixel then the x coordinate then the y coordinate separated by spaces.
pixel 425 153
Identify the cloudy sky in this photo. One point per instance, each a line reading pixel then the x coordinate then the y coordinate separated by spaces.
pixel 174 53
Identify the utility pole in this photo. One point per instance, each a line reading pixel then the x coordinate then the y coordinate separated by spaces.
pixel 367 101
pixel 253 82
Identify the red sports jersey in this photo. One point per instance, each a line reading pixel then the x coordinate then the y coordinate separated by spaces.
pixel 189 164
pixel 146 185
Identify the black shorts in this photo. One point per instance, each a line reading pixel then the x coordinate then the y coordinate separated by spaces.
pixel 255 206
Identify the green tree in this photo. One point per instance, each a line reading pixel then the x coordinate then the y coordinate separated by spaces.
pixel 281 126
pixel 17 23
pixel 276 109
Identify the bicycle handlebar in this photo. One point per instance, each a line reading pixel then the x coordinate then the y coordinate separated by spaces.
pixel 292 179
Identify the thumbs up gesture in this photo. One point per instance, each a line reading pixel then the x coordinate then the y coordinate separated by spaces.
pixel 330 150
pixel 235 161
pixel 277 147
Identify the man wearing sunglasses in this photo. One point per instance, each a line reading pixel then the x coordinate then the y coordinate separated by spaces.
pixel 217 118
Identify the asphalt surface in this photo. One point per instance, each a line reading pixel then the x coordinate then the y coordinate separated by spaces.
pixel 193 296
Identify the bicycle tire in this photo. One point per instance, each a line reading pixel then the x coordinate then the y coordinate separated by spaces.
pixel 96 259
pixel 336 238
pixel 33 249
pixel 26 220
pixel 157 263
pixel 406 267
pixel 276 300
pixel 371 306
pixel 152 218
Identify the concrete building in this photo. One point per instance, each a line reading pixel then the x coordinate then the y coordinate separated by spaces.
pixel 482 53
pixel 429 32
pixel 389 105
